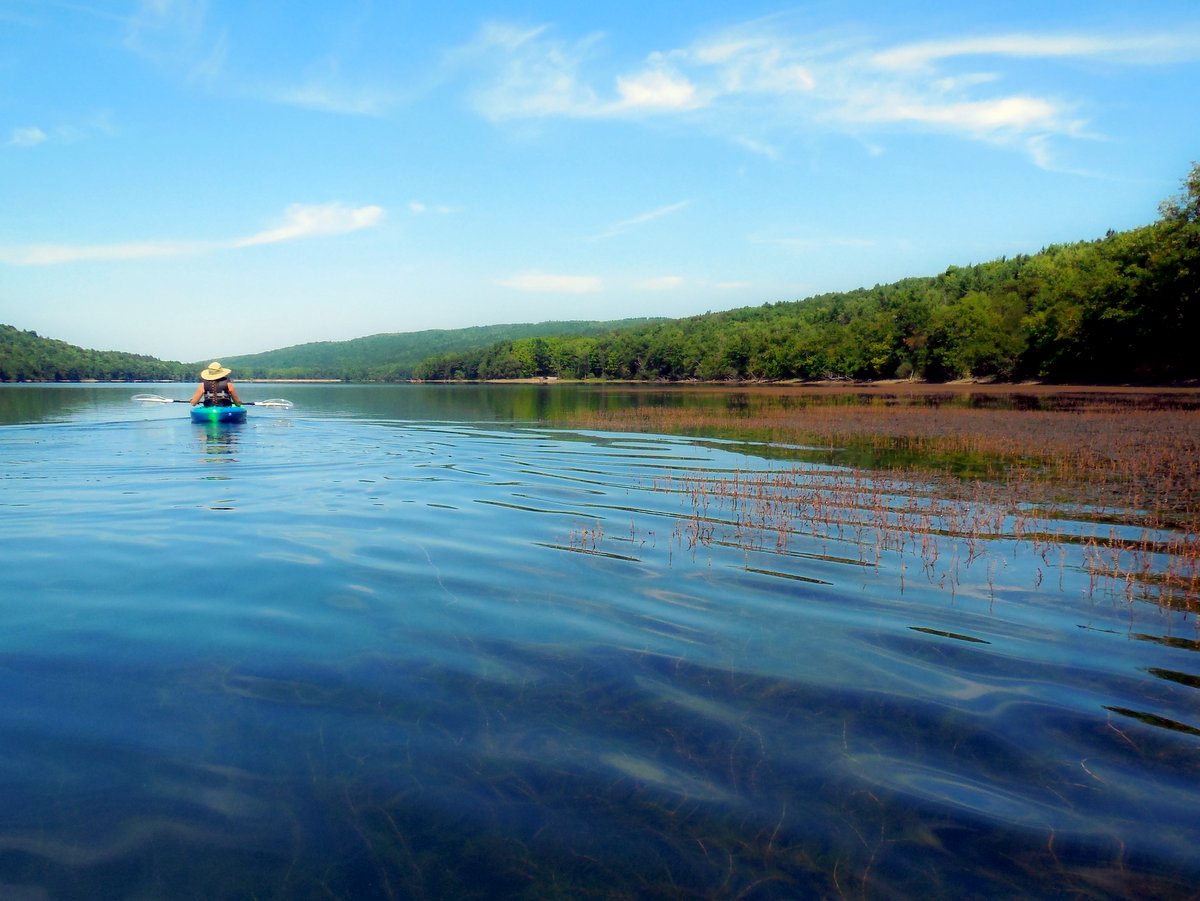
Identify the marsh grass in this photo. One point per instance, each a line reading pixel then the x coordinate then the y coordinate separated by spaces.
pixel 942 472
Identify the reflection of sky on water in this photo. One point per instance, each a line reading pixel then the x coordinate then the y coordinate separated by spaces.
pixel 473 660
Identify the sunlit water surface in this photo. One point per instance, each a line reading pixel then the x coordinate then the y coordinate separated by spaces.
pixel 403 642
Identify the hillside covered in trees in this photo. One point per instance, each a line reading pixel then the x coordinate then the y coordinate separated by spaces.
pixel 1122 308
pixel 394 356
pixel 25 356
pixel 28 357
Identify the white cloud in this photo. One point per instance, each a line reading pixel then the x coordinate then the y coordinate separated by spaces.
pixel 28 136
pixel 641 219
pixel 304 221
pixel 1020 114
pixel 57 254
pixel 544 282
pixel 529 74
pixel 329 97
pixel 191 40
pixel 657 90
pixel 1136 48
pixel 168 30
pixel 661 283
pixel 770 151
pixel 299 221
pixel 98 123
pixel 765 84
pixel 419 208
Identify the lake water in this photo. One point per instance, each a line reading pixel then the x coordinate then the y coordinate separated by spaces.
pixel 402 642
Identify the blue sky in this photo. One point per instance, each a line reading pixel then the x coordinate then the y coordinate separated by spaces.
pixel 195 179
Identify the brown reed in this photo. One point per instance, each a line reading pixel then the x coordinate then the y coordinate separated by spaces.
pixel 923 469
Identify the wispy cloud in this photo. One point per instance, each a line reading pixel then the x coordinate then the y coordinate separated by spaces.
pixel 420 208
pixel 27 136
pixel 761 148
pixel 298 222
pixel 327 95
pixel 816 244
pixel 533 74
pixel 307 221
pixel 1133 49
pixel 96 124
pixel 58 254
pixel 764 84
pixel 641 219
pixel 655 89
pixel 170 31
pixel 545 282
pixel 662 283
pixel 189 39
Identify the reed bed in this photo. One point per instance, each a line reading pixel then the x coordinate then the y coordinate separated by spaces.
pixel 1117 475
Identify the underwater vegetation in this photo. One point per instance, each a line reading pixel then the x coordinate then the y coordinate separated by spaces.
pixel 944 471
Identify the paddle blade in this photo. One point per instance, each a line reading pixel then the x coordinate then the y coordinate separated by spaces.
pixel 151 399
pixel 274 402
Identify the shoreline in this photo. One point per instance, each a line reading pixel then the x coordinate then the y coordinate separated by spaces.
pixel 889 385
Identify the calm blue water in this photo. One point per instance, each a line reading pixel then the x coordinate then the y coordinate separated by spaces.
pixel 400 642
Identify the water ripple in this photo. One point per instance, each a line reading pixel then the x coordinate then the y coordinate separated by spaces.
pixel 346 649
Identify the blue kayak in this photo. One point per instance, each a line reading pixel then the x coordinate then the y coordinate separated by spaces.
pixel 201 413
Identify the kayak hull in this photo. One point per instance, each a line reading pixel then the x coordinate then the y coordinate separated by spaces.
pixel 218 414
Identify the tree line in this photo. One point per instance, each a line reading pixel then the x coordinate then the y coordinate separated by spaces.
pixel 1118 309
pixel 392 357
pixel 25 356
pixel 1121 308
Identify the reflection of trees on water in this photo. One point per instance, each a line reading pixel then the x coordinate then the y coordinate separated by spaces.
pixel 59 403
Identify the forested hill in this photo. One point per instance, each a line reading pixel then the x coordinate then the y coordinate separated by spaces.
pixel 394 356
pixel 28 357
pixel 1122 308
pixel 25 356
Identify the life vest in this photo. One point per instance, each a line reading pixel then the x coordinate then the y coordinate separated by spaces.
pixel 216 393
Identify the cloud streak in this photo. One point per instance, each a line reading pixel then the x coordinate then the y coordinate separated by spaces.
pixel 641 219
pixel 662 283
pixel 300 221
pixel 548 283
pixel 1138 49
pixel 306 221
pixel 194 41
pixel 27 136
pixel 760 81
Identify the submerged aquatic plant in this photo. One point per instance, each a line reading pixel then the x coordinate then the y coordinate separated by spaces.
pixel 941 472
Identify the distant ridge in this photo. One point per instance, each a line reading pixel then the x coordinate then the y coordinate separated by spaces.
pixel 1123 308
pixel 393 356
pixel 25 356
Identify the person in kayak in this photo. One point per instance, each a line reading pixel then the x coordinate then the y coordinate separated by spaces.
pixel 216 390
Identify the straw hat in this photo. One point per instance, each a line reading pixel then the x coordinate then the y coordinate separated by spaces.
pixel 214 371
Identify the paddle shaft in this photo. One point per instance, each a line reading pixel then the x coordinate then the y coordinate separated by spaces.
pixel 155 399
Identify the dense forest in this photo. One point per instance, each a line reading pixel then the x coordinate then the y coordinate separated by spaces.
pixel 28 357
pixel 394 356
pixel 1121 308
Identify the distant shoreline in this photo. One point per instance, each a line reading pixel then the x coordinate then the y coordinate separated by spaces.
pixel 891 385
